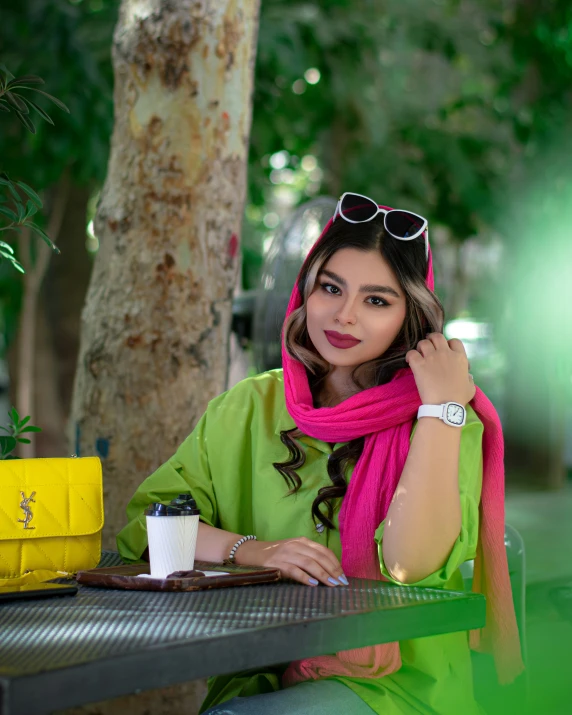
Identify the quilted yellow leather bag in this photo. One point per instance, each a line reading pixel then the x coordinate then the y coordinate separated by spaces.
pixel 51 517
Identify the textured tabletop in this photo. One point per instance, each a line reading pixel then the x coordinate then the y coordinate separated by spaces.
pixel 102 643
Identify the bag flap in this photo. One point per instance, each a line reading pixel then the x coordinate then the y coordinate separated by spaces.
pixel 50 497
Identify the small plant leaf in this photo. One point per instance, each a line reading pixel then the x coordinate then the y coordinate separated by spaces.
pixel 21 213
pixel 40 111
pixel 17 102
pixel 5 181
pixel 17 265
pixel 55 100
pixel 23 440
pixel 26 121
pixel 31 209
pixel 25 79
pixel 30 428
pixel 31 193
pixel 5 211
pixel 44 236
pixel 9 257
pixel 24 421
pixel 6 71
pixel 7 444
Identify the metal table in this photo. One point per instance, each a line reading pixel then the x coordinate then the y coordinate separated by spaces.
pixel 72 650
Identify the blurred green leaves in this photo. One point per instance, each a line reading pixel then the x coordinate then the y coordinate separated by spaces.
pixel 12 99
pixel 69 44
pixel 438 106
pixel 404 109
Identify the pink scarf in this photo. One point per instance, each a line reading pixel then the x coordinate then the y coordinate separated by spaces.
pixel 384 415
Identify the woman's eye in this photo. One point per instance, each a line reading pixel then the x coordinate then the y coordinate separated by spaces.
pixel 375 300
pixel 329 288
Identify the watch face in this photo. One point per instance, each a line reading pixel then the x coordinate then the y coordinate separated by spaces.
pixel 455 414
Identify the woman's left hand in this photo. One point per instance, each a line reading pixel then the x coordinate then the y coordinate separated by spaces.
pixel 441 370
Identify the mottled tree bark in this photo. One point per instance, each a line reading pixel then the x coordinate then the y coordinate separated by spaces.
pixel 65 288
pixel 155 327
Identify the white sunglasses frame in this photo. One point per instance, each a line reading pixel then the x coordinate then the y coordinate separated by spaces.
pixel 424 225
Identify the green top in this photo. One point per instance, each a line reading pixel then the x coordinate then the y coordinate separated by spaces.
pixel 226 462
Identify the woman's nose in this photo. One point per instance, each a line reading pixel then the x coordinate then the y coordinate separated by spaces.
pixel 346 315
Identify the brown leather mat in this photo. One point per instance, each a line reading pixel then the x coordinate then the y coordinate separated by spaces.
pixel 132 578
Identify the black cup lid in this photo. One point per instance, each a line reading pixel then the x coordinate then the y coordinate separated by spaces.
pixel 158 509
pixel 182 499
pixel 189 509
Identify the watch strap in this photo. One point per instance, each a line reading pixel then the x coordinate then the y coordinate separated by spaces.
pixel 430 411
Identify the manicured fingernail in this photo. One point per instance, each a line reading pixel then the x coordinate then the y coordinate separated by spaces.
pixel 333 581
pixel 344 580
pixel 313 581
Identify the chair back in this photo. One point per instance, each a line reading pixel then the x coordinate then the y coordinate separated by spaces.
pixel 517 572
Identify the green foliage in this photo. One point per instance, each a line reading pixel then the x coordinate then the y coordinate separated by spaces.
pixel 438 106
pixel 69 44
pixel 15 429
pixel 20 104
pixel 404 110
pixel 18 213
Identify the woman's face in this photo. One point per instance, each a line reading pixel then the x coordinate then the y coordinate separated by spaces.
pixel 357 296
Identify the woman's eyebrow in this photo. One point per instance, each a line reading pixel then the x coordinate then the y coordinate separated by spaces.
pixel 369 288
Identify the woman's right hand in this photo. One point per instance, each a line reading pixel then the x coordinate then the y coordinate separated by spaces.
pixel 300 559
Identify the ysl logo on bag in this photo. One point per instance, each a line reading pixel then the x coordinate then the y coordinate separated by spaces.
pixel 25 505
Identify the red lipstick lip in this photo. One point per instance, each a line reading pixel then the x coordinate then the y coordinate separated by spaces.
pixel 341 341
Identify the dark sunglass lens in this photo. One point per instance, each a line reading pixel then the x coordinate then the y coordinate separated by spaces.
pixel 402 223
pixel 358 208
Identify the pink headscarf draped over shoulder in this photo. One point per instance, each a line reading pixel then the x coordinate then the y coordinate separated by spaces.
pixel 384 415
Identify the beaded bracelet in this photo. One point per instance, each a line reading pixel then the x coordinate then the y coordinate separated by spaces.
pixel 241 541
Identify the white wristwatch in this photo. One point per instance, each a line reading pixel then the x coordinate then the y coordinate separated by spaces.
pixel 452 413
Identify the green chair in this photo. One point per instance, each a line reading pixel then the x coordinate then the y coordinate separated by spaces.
pixel 517 569
pixel 482 665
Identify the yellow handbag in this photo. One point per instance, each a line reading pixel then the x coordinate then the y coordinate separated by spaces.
pixel 51 517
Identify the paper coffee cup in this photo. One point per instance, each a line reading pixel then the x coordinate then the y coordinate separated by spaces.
pixel 172 537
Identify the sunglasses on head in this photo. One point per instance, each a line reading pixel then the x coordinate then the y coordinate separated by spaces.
pixel 403 225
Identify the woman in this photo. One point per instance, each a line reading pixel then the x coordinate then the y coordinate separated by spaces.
pixel 331 466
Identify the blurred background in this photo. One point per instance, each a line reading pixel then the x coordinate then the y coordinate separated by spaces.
pixel 460 110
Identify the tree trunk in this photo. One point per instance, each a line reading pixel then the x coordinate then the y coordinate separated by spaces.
pixel 48 408
pixel 65 288
pixel 156 323
pixel 155 327
pixel 58 325
pixel 35 258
